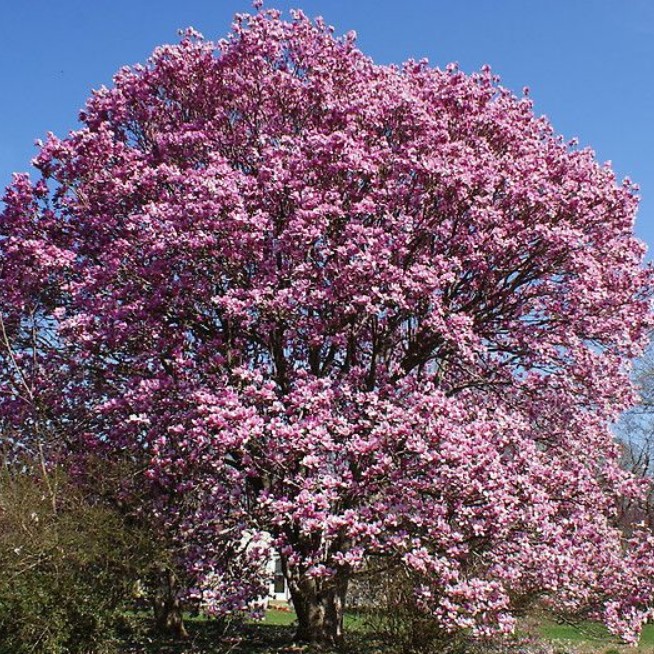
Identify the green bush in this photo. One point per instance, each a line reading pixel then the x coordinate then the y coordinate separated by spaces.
pixel 68 567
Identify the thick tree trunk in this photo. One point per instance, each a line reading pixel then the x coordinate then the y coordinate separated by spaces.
pixel 167 607
pixel 319 605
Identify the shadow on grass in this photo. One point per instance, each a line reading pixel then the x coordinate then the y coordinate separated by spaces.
pixel 211 637
pixel 275 636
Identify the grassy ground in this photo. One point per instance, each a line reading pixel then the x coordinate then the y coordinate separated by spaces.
pixel 273 636
pixel 596 637
pixel 585 638
pixel 591 638
pixel 353 621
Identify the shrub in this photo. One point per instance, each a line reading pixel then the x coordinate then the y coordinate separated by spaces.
pixel 68 564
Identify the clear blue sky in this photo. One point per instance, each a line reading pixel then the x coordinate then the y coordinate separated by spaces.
pixel 589 63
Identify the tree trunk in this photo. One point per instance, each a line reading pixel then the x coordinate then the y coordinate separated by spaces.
pixel 319 605
pixel 167 607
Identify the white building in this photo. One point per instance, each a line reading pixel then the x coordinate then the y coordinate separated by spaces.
pixel 278 588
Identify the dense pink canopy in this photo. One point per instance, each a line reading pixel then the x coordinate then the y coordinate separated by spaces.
pixel 369 310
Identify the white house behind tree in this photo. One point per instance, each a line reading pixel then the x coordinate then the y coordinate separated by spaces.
pixel 278 588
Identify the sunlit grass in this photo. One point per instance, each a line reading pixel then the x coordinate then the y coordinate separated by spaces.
pixel 591 634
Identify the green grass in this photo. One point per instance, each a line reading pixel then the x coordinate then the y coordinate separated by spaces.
pixel 352 621
pixel 279 618
pixel 589 634
pixel 593 636
pixel 575 634
pixel 273 635
pixel 648 635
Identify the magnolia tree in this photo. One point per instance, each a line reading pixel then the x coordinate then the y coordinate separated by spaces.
pixel 339 310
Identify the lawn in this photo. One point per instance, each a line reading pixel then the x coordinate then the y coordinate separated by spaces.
pixel 587 637
pixel 353 621
pixel 273 634
pixel 590 638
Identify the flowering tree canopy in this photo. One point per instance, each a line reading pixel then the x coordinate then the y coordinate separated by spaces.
pixel 363 310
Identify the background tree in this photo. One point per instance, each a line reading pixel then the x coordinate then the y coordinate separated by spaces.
pixel 635 433
pixel 363 309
